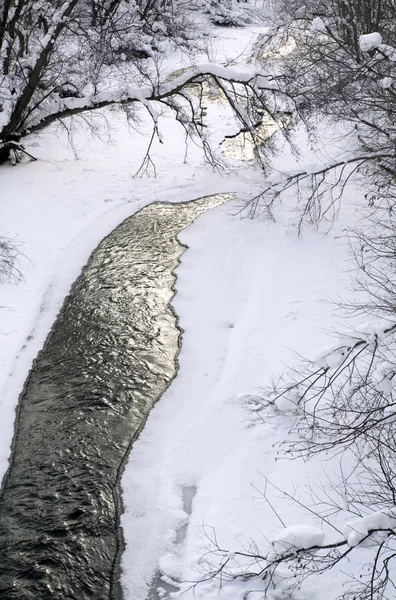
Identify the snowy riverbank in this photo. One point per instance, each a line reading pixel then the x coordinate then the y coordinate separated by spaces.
pixel 248 294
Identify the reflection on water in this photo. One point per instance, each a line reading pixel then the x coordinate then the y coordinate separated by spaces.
pixel 279 50
pixel 206 90
pixel 244 145
pixel 109 356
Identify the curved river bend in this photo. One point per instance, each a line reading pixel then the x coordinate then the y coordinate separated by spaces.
pixel 108 358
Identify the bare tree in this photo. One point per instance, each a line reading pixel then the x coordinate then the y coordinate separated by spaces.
pixel 57 58
pixel 344 404
pixel 9 258
pixel 226 13
pixel 337 63
pixel 283 568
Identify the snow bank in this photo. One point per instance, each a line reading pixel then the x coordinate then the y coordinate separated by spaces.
pixel 297 537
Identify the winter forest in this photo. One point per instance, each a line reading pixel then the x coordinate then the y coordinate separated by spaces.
pixel 197 321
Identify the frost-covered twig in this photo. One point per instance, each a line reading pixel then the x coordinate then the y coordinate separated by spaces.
pixel 321 202
pixel 298 551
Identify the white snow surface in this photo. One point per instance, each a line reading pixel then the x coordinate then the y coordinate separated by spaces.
pixel 297 537
pixel 358 530
pixel 388 51
pixel 386 83
pixel 318 24
pixel 333 355
pixel 376 330
pixel 369 41
pixel 384 376
pixel 248 294
pixel 288 402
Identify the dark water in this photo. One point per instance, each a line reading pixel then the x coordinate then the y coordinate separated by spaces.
pixel 109 356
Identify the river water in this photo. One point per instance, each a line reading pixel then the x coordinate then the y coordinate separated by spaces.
pixel 109 357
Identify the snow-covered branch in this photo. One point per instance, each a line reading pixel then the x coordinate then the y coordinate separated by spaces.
pixel 301 550
pixel 336 66
pixel 345 394
pixel 68 57
pixel 67 107
pixel 324 185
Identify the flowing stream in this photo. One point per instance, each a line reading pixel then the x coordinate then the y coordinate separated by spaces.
pixel 109 357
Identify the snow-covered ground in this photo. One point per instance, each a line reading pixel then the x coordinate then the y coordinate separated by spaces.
pixel 248 294
pixel 58 209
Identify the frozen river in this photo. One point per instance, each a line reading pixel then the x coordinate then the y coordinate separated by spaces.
pixel 108 358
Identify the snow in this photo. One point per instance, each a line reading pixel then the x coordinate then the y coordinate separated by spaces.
pixel 288 402
pixel 390 413
pixel 369 41
pixel 369 332
pixel 386 83
pixel 311 168
pixel 357 530
pixel 376 330
pixel 318 24
pixel 389 51
pixel 333 355
pixel 297 537
pixel 145 94
pixel 383 376
pixel 248 294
